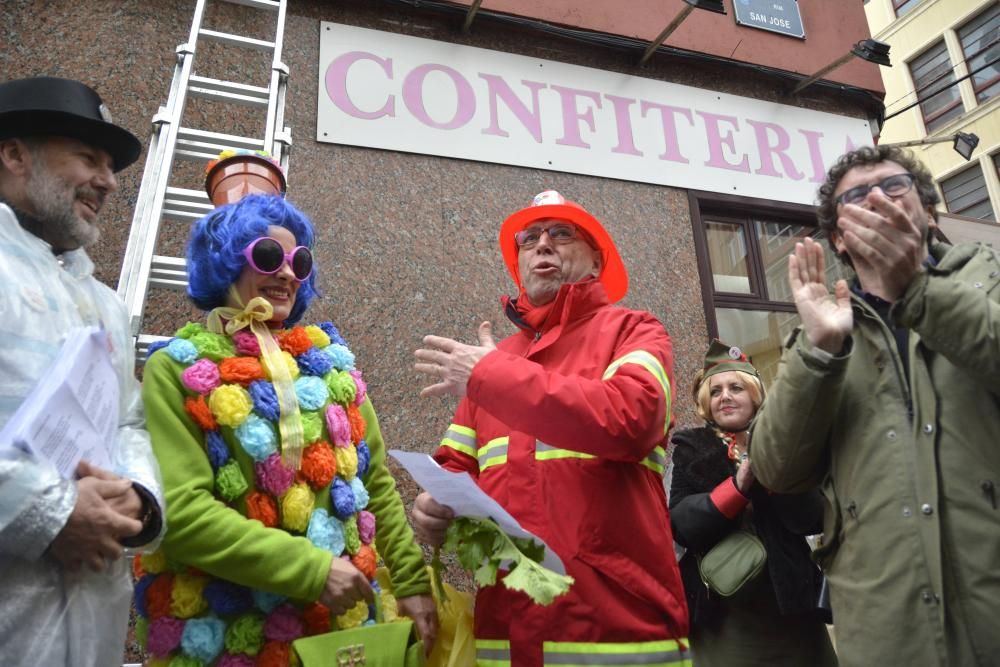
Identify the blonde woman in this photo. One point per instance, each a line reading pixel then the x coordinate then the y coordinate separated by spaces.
pixel 773 620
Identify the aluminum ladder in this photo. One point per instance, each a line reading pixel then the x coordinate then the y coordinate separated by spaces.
pixel 158 200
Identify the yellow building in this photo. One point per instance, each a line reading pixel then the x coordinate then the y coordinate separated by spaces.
pixel 945 79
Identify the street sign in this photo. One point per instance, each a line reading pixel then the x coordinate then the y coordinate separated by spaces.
pixel 780 16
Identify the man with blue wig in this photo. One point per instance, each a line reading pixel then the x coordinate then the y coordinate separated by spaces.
pixel 63 579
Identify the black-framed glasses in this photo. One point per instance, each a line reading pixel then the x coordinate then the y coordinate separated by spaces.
pixel 266 255
pixel 561 232
pixel 896 185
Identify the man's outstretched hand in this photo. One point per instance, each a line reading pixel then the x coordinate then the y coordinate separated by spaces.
pixel 450 362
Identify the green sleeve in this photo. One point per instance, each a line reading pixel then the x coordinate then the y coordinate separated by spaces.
pixel 789 435
pixel 393 535
pixel 955 307
pixel 202 531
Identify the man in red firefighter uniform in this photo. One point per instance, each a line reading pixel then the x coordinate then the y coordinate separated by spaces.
pixel 564 424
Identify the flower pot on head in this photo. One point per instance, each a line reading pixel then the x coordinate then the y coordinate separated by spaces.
pixel 235 177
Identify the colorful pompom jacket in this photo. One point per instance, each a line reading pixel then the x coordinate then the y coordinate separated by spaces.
pixel 258 584
pixel 565 428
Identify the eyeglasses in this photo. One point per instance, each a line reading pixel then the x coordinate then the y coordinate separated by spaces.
pixel 896 185
pixel 561 233
pixel 266 255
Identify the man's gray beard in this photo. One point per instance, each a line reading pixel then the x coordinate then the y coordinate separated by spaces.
pixel 52 200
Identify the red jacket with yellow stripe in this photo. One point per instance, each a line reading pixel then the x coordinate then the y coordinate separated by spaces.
pixel 565 427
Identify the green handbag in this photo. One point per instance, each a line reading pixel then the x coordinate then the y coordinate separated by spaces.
pixel 381 645
pixel 735 561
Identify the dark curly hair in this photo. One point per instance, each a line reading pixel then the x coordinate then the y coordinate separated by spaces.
pixel 826 206
pixel 215 251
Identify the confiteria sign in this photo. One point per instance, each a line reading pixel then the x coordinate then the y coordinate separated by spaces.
pixel 401 93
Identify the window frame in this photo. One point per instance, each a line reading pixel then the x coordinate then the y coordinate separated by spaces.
pixel 968 58
pixel 729 209
pixel 920 91
pixel 897 4
pixel 972 166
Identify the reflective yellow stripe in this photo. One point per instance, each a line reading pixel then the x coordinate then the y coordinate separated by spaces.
pixel 493 453
pixel 656 460
pixel 465 449
pixel 461 439
pixel 462 430
pixel 651 364
pixel 663 653
pixel 492 653
pixel 545 452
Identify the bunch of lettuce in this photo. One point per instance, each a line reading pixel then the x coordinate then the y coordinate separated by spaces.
pixel 481 546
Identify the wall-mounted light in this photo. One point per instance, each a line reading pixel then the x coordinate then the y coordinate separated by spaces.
pixel 963 143
pixel 867 49
pixel 710 5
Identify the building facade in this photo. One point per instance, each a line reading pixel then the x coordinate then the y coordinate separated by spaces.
pixel 945 79
pixel 407 237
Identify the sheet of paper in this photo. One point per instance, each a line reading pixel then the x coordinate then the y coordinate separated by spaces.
pixel 460 492
pixel 72 412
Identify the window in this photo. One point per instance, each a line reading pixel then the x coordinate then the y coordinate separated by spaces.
pixel 965 194
pixel 903 7
pixel 934 82
pixel 743 259
pixel 980 40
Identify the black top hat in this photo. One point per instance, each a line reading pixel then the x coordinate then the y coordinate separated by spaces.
pixel 47 106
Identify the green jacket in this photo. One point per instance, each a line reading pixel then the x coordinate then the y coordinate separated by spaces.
pixel 912 525
pixel 205 533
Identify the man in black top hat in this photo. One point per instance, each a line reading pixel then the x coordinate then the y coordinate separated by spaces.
pixel 60 155
pixel 64 583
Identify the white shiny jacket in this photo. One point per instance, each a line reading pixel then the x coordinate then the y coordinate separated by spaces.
pixel 51 617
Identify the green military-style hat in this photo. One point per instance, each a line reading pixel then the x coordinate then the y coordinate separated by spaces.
pixel 722 358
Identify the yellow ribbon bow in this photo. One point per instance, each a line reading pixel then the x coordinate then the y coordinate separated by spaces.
pixel 255 315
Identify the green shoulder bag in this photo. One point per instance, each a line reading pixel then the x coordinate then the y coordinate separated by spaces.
pixel 731 564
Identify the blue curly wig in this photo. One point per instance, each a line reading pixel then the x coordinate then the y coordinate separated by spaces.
pixel 215 251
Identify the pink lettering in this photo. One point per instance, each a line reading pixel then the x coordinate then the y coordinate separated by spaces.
pixel 336 85
pixel 815 154
pixel 413 97
pixel 531 120
pixel 572 115
pixel 768 150
pixel 672 151
pixel 716 142
pixel 623 121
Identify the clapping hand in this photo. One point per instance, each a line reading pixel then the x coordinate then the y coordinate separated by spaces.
pixel 887 247
pixel 826 319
